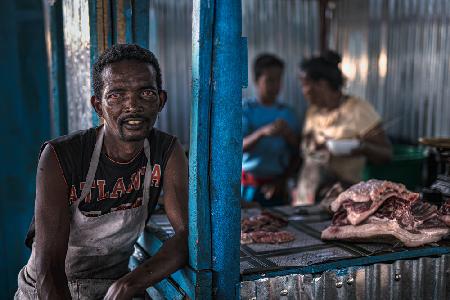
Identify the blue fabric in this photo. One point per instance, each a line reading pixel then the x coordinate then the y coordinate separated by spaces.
pixel 271 155
pixel 252 193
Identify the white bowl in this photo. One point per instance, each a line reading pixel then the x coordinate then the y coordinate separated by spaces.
pixel 342 147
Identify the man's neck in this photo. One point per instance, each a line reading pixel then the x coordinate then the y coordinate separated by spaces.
pixel 267 101
pixel 119 150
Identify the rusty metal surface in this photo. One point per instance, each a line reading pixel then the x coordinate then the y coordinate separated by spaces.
pixel 423 278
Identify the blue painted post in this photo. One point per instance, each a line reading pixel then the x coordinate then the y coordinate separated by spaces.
pixel 96 47
pixel 199 179
pixel 56 64
pixel 226 147
pixel 122 21
pixel 128 9
pixel 140 13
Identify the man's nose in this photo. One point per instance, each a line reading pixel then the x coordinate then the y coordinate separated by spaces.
pixel 132 102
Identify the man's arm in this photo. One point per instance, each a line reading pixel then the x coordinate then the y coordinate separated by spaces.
pixel 174 252
pixel 278 127
pixel 251 139
pixel 52 228
pixel 376 146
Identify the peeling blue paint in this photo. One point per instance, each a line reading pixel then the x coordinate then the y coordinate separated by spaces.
pixel 226 146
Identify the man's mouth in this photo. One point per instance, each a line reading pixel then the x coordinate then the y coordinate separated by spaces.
pixel 133 123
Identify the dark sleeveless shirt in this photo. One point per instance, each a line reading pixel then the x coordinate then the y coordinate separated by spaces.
pixel 116 186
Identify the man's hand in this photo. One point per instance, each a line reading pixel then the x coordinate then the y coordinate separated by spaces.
pixel 120 290
pixel 277 127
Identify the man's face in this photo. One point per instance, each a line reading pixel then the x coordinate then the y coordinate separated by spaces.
pixel 130 99
pixel 269 83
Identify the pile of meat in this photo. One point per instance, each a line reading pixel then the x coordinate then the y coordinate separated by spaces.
pixel 264 228
pixel 385 211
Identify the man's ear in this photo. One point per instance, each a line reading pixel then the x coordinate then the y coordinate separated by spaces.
pixel 162 99
pixel 97 105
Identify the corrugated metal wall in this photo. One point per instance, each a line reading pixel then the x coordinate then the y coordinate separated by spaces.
pixel 396 55
pixel 423 278
pixel 77 55
pixel 170 39
pixel 288 28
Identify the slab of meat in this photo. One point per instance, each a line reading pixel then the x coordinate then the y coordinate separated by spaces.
pixel 265 237
pixel 396 214
pixel 264 221
pixel 363 199
pixel 264 228
pixel 445 212
pixel 376 229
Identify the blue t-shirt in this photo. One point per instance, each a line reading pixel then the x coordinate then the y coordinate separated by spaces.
pixel 270 156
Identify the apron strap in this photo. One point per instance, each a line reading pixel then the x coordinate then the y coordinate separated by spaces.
pixel 148 170
pixel 94 163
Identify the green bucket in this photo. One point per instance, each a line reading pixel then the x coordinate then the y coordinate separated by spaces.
pixel 406 166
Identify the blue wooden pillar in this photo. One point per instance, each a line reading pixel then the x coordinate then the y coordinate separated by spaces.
pixel 199 169
pixel 226 147
pixel 56 63
pixel 216 143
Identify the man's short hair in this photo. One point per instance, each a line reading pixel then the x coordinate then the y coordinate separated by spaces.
pixel 264 62
pixel 121 52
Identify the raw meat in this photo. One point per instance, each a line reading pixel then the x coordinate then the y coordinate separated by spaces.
pixel 378 210
pixel 445 212
pixel 264 228
pixel 266 237
pixel 363 199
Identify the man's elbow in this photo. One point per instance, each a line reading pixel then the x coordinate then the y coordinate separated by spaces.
pixel 182 249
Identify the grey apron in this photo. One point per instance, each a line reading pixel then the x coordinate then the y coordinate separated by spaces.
pixel 95 243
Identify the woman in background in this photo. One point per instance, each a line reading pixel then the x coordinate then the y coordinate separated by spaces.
pixel 340 134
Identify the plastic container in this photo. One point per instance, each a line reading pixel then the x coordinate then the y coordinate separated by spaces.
pixel 342 147
pixel 406 167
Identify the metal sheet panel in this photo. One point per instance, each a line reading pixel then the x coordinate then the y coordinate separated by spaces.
pixel 287 28
pixel 395 55
pixel 424 278
pixel 77 56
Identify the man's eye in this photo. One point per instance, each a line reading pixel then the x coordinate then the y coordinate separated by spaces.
pixel 114 96
pixel 148 93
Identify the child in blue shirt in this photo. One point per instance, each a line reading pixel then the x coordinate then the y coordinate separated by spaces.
pixel 270 136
